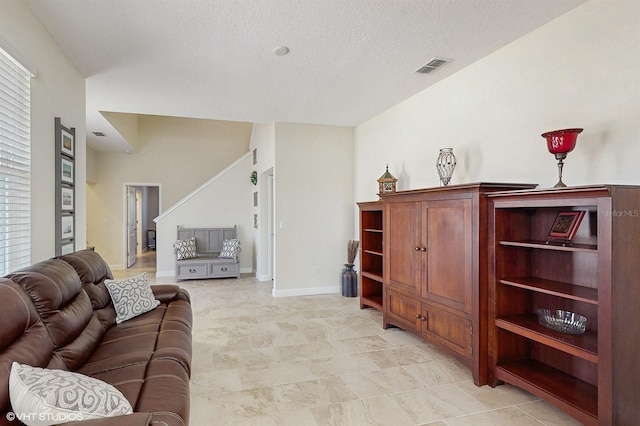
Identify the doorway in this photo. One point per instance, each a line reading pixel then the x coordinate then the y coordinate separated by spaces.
pixel 142 206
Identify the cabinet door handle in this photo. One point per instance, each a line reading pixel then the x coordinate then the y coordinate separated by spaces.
pixel 423 249
pixel 423 318
pixel 417 248
pixel 418 316
pixel 192 270
pixel 223 269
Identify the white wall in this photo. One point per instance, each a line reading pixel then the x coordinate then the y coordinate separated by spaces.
pixel 91 165
pixel 57 91
pixel 178 154
pixel 580 70
pixel 313 207
pixel 263 140
pixel 222 202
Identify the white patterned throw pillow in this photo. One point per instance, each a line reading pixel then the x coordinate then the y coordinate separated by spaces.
pixel 131 297
pixel 230 249
pixel 43 397
pixel 185 249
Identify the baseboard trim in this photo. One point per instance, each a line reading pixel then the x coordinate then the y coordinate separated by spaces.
pixel 172 272
pixel 311 291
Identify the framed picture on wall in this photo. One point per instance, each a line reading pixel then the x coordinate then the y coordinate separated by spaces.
pixel 66 175
pixel 66 225
pixel 67 142
pixel 68 248
pixel 66 200
pixel 64 141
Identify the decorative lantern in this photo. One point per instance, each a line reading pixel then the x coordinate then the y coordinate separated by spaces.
pixel 445 164
pixel 386 183
pixel 560 143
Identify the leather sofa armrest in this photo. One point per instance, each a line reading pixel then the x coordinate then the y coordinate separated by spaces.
pixel 135 419
pixel 166 293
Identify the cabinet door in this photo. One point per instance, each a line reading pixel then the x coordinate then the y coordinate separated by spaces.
pixel 448 228
pixel 402 260
pixel 403 311
pixel 448 329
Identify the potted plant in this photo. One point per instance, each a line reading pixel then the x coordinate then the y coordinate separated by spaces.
pixel 349 276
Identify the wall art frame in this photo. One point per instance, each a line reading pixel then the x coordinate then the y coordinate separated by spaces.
pixel 67 200
pixel 66 225
pixel 65 188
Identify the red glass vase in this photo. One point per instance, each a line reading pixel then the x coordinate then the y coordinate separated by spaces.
pixel 560 143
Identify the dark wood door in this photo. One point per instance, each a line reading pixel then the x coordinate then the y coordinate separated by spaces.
pixel 448 329
pixel 403 258
pixel 448 238
pixel 404 311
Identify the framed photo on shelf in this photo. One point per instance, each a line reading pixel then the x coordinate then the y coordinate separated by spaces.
pixel 67 142
pixel 566 225
pixel 66 198
pixel 66 174
pixel 66 226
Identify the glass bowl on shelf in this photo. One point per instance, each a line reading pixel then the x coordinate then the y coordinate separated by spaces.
pixel 562 321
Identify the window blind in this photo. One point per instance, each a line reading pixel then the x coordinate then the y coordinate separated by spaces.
pixel 15 165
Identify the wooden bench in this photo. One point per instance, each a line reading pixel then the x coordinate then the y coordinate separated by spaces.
pixel 207 264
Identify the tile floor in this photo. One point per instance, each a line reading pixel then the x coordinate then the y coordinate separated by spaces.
pixel 320 360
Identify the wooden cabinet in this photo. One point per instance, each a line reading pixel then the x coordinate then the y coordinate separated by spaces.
pixel 592 376
pixel 435 272
pixel 371 255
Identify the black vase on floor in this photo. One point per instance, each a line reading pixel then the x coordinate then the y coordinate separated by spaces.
pixel 349 281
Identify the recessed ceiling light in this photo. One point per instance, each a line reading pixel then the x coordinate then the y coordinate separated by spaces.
pixel 281 50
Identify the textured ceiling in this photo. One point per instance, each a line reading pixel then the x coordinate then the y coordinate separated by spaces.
pixel 349 60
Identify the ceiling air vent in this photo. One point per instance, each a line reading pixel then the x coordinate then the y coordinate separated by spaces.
pixel 432 65
pixel 99 134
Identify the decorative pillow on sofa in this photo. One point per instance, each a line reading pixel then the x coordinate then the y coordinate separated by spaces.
pixel 42 397
pixel 185 249
pixel 230 249
pixel 131 297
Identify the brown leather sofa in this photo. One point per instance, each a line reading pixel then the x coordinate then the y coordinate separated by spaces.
pixel 58 314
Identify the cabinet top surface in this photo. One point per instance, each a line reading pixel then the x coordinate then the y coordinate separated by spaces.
pixel 571 191
pixel 373 204
pixel 470 187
